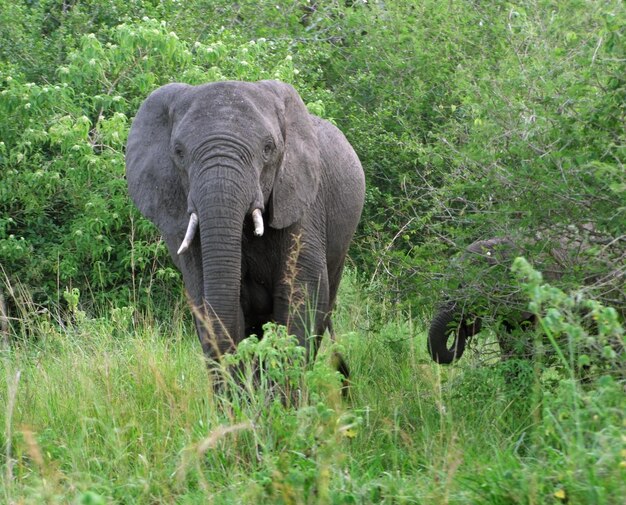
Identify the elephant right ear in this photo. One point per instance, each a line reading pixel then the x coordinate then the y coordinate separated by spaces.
pixel 154 183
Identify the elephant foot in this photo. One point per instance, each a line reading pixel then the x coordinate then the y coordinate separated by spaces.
pixel 339 364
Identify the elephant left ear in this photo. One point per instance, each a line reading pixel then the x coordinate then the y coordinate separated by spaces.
pixel 298 178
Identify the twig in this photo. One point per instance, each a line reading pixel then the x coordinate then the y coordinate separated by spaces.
pixel 593 58
pixel 389 247
pixel 4 321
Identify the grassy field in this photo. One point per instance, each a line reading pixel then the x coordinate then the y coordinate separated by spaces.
pixel 121 410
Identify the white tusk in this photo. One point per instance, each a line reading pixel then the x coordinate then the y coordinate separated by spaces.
pixel 257 219
pixel 191 231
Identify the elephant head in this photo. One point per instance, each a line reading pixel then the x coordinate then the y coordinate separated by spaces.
pixel 201 161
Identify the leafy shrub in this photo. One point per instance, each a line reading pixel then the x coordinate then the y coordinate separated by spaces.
pixel 495 120
pixel 586 336
pixel 67 220
pixel 471 122
pixel 300 424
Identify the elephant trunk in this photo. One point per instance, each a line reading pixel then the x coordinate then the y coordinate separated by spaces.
pixel 222 204
pixel 448 322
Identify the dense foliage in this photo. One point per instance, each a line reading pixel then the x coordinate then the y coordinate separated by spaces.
pixel 472 121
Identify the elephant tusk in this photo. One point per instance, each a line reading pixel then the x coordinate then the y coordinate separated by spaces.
pixel 257 219
pixel 191 231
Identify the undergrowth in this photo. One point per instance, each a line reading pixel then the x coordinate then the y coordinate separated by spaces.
pixel 118 409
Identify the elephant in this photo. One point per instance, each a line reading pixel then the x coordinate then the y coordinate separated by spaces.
pixel 257 201
pixel 461 315
pixel 458 318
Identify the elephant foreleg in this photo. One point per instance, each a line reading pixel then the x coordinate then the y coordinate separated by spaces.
pixel 302 305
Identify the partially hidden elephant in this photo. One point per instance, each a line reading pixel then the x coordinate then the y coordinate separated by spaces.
pixel 458 318
pixel 487 293
pixel 256 199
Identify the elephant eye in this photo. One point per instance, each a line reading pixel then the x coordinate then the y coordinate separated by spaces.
pixel 269 147
pixel 178 151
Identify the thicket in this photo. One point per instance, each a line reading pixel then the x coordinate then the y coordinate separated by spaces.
pixel 472 120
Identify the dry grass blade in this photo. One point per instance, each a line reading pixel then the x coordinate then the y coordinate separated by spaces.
pixel 220 432
pixel 192 454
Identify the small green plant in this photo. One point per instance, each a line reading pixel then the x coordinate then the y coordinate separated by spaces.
pixel 293 423
pixel 586 337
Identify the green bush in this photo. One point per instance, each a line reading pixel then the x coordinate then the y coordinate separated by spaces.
pixel 485 121
pixel 471 122
pixel 67 220
pixel 586 337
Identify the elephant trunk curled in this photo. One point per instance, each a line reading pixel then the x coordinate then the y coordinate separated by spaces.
pixel 222 203
pixel 449 324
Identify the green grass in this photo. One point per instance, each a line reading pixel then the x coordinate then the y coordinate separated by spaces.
pixel 104 411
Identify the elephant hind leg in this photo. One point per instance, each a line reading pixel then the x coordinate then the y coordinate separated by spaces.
pixel 339 363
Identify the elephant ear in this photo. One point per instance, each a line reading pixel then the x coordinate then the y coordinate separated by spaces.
pixel 154 183
pixel 298 178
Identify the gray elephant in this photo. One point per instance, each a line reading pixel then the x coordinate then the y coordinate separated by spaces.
pixel 459 317
pixel 257 201
pixel 488 293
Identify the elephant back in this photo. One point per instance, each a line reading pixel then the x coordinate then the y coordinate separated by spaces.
pixel 494 251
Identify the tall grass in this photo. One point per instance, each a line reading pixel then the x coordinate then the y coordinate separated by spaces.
pixel 119 410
